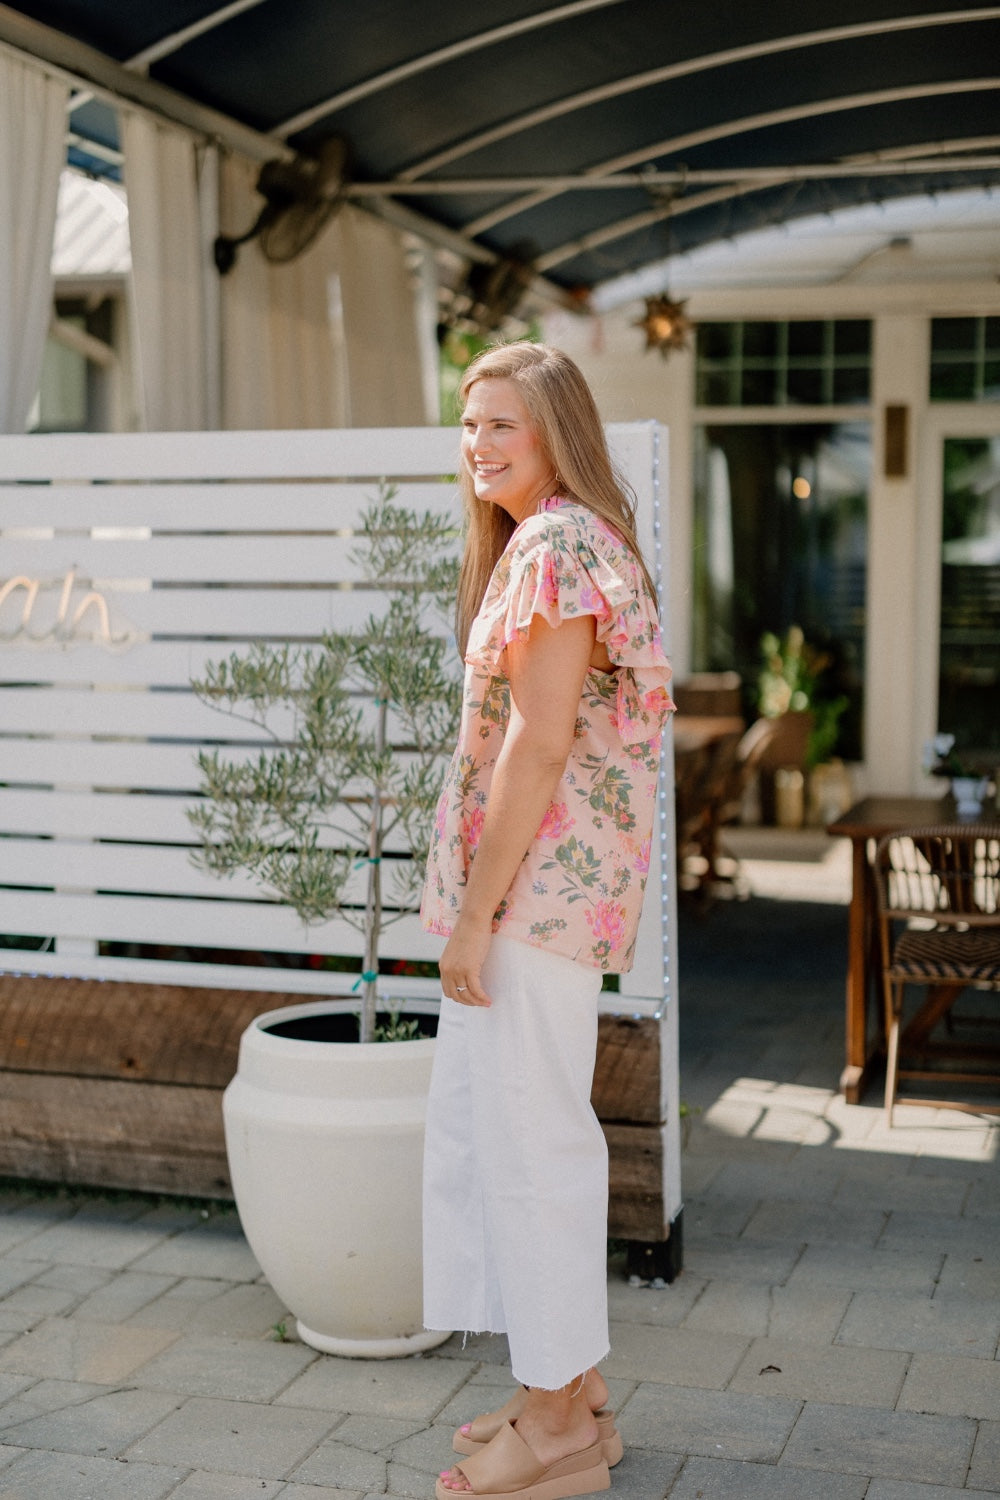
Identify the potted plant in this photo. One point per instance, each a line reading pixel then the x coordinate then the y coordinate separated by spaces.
pixel 791 688
pixel 969 784
pixel 324 1124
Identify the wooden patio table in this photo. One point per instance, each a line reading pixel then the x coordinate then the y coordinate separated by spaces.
pixel 863 824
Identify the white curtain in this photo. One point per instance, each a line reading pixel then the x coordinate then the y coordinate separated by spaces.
pixel 281 352
pixel 32 154
pixel 326 340
pixel 382 347
pixel 170 287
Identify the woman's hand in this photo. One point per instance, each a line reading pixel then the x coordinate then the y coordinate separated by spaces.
pixel 462 962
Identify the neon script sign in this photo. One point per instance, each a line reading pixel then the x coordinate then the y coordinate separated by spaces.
pixel 63 613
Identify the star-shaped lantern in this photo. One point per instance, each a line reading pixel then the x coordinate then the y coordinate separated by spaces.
pixel 667 327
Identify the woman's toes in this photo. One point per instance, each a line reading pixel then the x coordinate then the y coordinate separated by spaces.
pixel 453 1479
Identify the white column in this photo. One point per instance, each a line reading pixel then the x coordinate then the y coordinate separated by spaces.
pixel 899 378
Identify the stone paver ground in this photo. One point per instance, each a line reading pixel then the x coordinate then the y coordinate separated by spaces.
pixel 833 1336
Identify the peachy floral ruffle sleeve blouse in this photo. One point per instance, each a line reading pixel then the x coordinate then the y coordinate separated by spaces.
pixel 579 888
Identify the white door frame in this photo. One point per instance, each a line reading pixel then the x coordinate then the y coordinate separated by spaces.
pixel 942 420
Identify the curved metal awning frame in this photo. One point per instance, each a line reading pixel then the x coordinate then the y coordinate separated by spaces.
pixel 728 167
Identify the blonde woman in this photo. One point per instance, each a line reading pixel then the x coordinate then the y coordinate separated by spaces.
pixel 536 877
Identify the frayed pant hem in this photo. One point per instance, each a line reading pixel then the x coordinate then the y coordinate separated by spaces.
pixel 544 1385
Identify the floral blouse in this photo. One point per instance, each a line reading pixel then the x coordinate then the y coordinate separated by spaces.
pixel 579 888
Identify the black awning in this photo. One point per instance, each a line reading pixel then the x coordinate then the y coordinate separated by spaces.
pixel 590 137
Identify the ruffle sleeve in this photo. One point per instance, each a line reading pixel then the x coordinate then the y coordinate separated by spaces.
pixel 562 564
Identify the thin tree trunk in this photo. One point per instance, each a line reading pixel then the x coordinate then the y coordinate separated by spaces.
pixel 373 901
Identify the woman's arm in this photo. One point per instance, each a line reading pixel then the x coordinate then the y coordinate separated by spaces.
pixel 546 674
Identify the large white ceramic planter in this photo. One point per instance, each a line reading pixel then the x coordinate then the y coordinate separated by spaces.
pixel 325 1145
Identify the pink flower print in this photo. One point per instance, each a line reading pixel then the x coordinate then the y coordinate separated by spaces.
pixel 472 827
pixel 657 700
pixel 640 861
pixel 593 602
pixel 606 921
pixel 556 822
pixel 441 820
pixel 618 639
pixel 550 580
pixel 624 719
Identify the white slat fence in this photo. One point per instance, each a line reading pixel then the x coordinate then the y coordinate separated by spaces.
pixel 127 564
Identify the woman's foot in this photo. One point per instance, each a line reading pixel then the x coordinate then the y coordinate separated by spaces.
pixel 553 1424
pixel 507 1469
pixel 486 1426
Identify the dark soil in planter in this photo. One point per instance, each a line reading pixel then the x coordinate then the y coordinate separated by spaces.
pixel 342 1026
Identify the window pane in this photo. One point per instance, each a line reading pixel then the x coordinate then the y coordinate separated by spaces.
pixel 780 540
pixel 715 388
pixel 851 386
pixel 716 340
pixel 760 340
pixel 949 335
pixel 758 388
pixel 953 382
pixel 806 338
pixel 969 674
pixel 965 353
pixel 852 336
pixel 806 386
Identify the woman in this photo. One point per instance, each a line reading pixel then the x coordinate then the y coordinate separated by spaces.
pixel 536 876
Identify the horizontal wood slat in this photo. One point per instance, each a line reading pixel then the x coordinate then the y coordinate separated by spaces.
pixel 82 710
pixel 186 559
pixel 148 869
pixel 315 506
pixel 169 1138
pixel 123 713
pixel 199 924
pixel 148 1137
pixel 115 817
pixel 244 613
pixel 110 764
pixel 155 1033
pixel 350 452
pixel 83 814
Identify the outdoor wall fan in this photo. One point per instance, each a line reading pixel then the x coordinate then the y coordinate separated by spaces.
pixel 301 193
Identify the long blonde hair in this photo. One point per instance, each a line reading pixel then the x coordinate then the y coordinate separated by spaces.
pixel 568 426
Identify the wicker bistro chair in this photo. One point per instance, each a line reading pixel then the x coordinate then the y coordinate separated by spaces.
pixel 938 894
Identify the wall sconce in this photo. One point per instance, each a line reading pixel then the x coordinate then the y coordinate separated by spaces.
pixel 666 325
pixel 896 441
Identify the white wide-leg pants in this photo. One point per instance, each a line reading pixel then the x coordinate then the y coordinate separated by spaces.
pixel 516 1167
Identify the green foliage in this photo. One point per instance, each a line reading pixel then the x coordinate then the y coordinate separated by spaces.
pixel 359 732
pixel 792 681
pixel 398 1030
